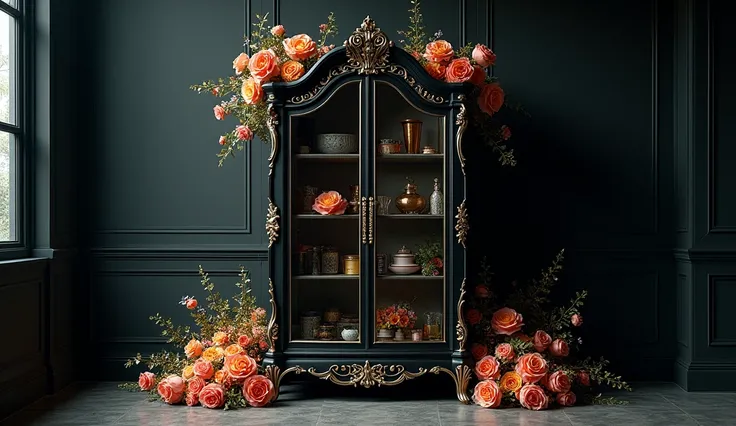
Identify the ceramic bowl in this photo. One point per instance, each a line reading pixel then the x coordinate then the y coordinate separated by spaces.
pixel 337 143
pixel 404 269
pixel 349 334
pixel 404 260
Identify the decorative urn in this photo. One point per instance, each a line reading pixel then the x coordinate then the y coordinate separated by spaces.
pixel 409 202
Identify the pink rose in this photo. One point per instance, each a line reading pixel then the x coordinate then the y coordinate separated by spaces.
pixel 219 112
pixel 505 351
pixel 212 396
pixel 222 140
pixel 584 378
pixel 532 397
pixel 278 30
pixel 577 320
pixel 559 348
pixel 195 385
pixel 482 291
pixel 558 382
pixel 263 66
pixel 322 28
pixel 483 56
pixel 505 132
pixel 146 381
pixel 488 368
pixel 258 390
pixel 171 389
pixel 566 399
pixel 506 321
pixel 491 98
pixel 244 341
pixel 542 340
pixel 203 369
pixel 531 367
pixel 192 399
pixel 244 133
pixel 487 394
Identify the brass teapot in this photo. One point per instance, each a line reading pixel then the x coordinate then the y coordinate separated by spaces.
pixel 409 202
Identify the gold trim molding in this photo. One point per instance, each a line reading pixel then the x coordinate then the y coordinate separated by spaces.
pixel 272 223
pixel 461 328
pixel 462 226
pixel 367 375
pixel 462 123
pixel 461 376
pixel 274 373
pixel 272 122
pixel 334 72
pixel 368 48
pixel 400 71
pixel 272 331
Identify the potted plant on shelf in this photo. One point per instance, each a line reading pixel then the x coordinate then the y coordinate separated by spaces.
pixel 429 257
pixel 394 319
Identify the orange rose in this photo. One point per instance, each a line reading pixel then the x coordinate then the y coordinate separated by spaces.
pixel 436 70
pixel 479 76
pixel 195 385
pixel 251 91
pixel 292 71
pixel 220 338
pixel 394 319
pixel 192 302
pixel 300 47
pixel 566 399
pixel 531 367
pixel 473 316
pixel 240 366
pixel 505 352
pixel 171 389
pixel 193 349
pixel 146 380
pixel 220 376
pixel 491 98
pixel 212 396
pixel 558 382
pixel 483 56
pixel 541 341
pixel 459 71
pixel 203 369
pixel 439 51
pixel 263 66
pixel 487 368
pixel 233 349
pixel 478 351
pixel 533 397
pixel 511 382
pixel 241 63
pixel 404 321
pixel 487 394
pixel 506 321
pixel 330 203
pixel 258 390
pixel 559 348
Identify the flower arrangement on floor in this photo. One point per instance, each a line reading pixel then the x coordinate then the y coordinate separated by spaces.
pixel 539 369
pixel 396 316
pixel 429 257
pixel 220 366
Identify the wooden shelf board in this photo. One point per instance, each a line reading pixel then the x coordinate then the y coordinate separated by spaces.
pixel 410 216
pixel 326 277
pixel 324 217
pixel 328 157
pixel 409 157
pixel 409 277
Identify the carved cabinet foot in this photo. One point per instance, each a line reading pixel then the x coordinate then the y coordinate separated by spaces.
pixel 274 373
pixel 461 376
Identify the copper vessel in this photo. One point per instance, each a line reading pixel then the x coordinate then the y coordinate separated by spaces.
pixel 410 201
pixel 412 135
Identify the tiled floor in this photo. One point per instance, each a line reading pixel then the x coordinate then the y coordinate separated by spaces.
pixel 102 404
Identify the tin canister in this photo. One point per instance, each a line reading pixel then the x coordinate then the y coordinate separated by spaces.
pixel 381 265
pixel 351 264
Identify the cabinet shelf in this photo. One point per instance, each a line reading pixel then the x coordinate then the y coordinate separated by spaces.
pixel 401 216
pixel 329 158
pixel 325 217
pixel 410 277
pixel 418 158
pixel 327 277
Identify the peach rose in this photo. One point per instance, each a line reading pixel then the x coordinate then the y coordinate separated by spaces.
pixel 244 134
pixel 473 316
pixel 213 354
pixel 193 349
pixel 532 367
pixel 240 366
pixel 292 71
pixel 505 132
pixel 584 378
pixel 488 368
pixel 233 349
pixel 439 51
pixel 559 348
pixel 533 397
pixel 187 372
pixel 558 382
pixel 195 385
pixel 482 291
pixel 566 399
pixel 491 98
pixel 146 381
pixel 506 321
pixel 330 203
pixel 263 66
pixel 278 30
pixel 222 140
pixel 221 338
pixel 258 390
pixel 244 341
pixel 479 76
pixel 191 399
pixel 487 394
pixel 577 320
pixel 220 376
pixel 505 351
pixel 541 340
pixel 203 369
pixel 459 71
pixel 300 47
pixel 192 302
pixel 251 91
pixel 171 389
pixel 511 382
pixel 241 63
pixel 219 112
pixel 483 56
pixel 436 70
pixel 478 351
pixel 212 396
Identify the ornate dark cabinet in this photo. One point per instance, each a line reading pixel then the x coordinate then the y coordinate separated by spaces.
pixel 365 88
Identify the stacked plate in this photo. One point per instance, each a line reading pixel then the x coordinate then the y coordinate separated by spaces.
pixel 404 263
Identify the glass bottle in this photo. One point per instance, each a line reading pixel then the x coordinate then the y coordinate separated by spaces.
pixel 435 200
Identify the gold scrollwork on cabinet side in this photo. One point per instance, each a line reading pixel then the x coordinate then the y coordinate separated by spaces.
pixel 272 223
pixel 367 375
pixel 368 48
pixel 274 373
pixel 461 376
pixel 334 72
pixel 272 122
pixel 462 124
pixel 272 331
pixel 462 226
pixel 461 328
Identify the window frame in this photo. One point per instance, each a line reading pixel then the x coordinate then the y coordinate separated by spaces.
pixel 20 190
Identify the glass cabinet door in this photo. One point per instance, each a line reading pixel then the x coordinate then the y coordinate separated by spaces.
pixel 409 181
pixel 325 233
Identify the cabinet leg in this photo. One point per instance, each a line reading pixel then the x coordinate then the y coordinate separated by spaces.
pixel 461 376
pixel 274 373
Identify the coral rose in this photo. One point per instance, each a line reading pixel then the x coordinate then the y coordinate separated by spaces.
pixel 191 399
pixel 511 382
pixel 439 51
pixel 558 382
pixel 505 351
pixel 251 91
pixel 203 369
pixel 192 302
pixel 193 349
pixel 278 30
pixel 566 399
pixel 263 66
pixel 221 338
pixel 213 354
pixel 330 203
pixel 584 378
pixel 532 367
pixel 482 291
pixel 187 372
pixel 533 397
pixel 436 70
pixel 222 140
pixel 241 63
pixel 487 394
pixel 479 76
pixel 559 348
pixel 483 56
pixel 292 71
pixel 506 321
pixel 488 368
pixel 171 389
pixel 240 366
pixel 146 381
pixel 212 396
pixel 244 134
pixel 258 390
pixel 577 320
pixel 459 71
pixel 300 47
pixel 195 385
pixel 244 341
pixel 541 341
pixel 473 316
pixel 233 349
pixel 491 98
pixel 220 376
pixel 478 350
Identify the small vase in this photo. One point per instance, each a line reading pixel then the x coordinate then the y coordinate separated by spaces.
pixel 399 335
pixel 410 202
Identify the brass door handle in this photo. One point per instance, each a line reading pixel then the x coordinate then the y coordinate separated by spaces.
pixel 363 219
pixel 370 220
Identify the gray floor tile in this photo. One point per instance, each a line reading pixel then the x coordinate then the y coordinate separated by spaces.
pixel 713 416
pixel 624 418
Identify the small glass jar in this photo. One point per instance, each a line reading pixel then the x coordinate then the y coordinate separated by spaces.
pixel 416 335
pixel 310 324
pixel 351 264
pixel 326 332
pixel 332 315
pixel 330 261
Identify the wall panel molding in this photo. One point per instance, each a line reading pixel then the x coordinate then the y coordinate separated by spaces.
pixel 245 253
pixel 714 282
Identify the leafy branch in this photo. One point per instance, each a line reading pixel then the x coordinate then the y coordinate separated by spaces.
pixel 414 38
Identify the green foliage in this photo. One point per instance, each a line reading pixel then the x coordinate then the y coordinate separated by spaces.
pixel 465 51
pixel 520 347
pixel 429 257
pixel 533 299
pixel 234 398
pixel 414 39
pixel 598 371
pixel 599 399
pixel 330 30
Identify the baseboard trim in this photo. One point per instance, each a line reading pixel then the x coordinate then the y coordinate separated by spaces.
pixel 705 376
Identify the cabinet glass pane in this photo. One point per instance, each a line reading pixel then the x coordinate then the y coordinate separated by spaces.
pixel 325 233
pixel 410 247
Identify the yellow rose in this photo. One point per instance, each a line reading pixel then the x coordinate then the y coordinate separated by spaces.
pixel 213 354
pixel 221 338
pixel 511 382
pixel 233 349
pixel 188 372
pixel 251 91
